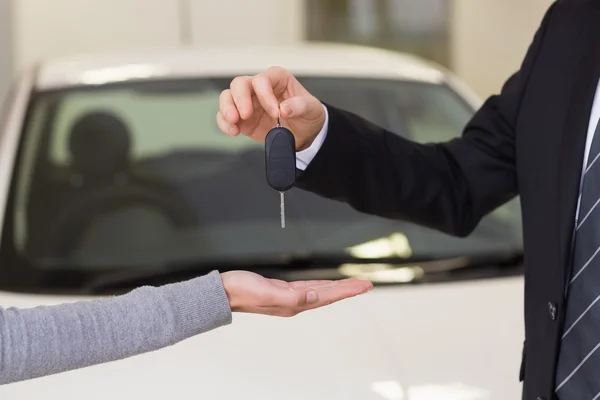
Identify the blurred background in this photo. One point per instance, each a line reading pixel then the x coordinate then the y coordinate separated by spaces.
pixel 480 40
pixel 121 178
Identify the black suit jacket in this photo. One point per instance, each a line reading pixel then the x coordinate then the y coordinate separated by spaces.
pixel 528 140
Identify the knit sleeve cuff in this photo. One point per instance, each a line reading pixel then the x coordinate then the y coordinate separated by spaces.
pixel 199 305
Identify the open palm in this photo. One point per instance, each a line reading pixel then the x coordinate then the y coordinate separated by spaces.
pixel 253 293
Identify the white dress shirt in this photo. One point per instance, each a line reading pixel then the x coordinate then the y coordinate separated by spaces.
pixel 304 157
pixel 595 115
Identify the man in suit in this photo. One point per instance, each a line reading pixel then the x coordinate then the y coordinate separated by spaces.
pixel 537 138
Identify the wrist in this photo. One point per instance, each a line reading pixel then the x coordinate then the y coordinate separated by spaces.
pixel 235 303
pixel 307 143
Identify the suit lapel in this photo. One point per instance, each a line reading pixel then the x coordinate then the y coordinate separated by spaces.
pixel 576 125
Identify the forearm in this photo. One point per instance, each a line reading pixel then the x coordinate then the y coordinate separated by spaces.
pixel 50 339
pixel 445 186
pixel 381 173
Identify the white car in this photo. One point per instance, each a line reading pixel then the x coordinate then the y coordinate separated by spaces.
pixel 113 174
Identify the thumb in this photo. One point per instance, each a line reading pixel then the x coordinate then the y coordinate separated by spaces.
pixel 312 296
pixel 295 107
pixel 306 297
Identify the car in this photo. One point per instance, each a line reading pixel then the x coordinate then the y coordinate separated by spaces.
pixel 114 175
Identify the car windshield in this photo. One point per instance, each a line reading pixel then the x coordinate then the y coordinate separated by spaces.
pixel 138 174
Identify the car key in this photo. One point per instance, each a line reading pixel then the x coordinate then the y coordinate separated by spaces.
pixel 280 161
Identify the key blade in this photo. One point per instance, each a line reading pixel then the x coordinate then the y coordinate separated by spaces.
pixel 282 208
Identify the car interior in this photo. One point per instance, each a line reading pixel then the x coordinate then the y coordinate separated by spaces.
pixel 115 185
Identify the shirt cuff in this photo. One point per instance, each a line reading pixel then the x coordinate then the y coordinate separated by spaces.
pixel 304 157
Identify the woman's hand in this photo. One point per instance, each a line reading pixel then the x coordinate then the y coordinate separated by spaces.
pixel 251 293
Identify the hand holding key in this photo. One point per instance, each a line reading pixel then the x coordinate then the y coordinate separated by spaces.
pixel 252 105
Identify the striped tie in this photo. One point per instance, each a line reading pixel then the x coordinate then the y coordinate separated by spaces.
pixel 578 369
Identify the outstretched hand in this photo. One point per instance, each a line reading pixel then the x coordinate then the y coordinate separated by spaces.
pixel 252 293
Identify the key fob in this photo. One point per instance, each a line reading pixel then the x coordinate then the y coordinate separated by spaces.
pixel 280 159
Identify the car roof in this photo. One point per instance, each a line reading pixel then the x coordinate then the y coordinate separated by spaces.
pixel 308 59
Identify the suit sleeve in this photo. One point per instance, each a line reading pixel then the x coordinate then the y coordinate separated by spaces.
pixel 447 186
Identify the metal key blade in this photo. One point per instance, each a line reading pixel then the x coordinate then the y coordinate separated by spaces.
pixel 282 207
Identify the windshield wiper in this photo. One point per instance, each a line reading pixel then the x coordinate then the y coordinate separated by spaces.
pixel 176 270
pixel 283 264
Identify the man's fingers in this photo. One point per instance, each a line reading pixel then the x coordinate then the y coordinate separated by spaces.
pixel 231 130
pixel 227 108
pixel 241 92
pixel 266 84
pixel 294 107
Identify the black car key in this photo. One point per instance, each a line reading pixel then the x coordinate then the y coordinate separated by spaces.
pixel 280 160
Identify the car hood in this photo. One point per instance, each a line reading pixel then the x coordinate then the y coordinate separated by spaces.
pixel 450 341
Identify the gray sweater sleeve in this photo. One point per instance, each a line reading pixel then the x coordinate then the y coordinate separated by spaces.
pixel 47 340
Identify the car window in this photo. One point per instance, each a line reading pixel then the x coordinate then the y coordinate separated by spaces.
pixel 138 174
pixel 157 122
pixel 431 115
pixel 422 112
